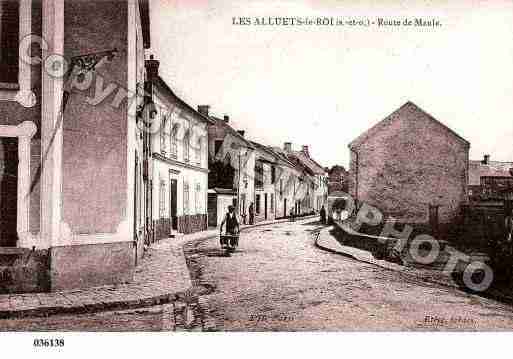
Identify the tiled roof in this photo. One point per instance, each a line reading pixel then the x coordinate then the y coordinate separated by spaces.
pixel 308 162
pixel 408 106
pixel 160 83
pixel 232 131
pixel 478 169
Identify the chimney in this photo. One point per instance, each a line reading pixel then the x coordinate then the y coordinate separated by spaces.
pixel 241 132
pixel 226 118
pixel 152 68
pixel 486 159
pixel 287 146
pixel 203 109
pixel 305 150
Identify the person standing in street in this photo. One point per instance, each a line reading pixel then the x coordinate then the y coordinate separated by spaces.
pixel 323 215
pixel 251 214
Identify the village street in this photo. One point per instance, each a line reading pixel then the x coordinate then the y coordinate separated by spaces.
pixel 279 280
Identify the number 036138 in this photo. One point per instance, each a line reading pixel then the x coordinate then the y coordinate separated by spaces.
pixel 48 343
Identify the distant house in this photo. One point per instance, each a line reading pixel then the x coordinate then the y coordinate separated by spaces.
pixel 179 166
pixel 317 193
pixel 231 177
pixel 337 179
pixel 411 167
pixel 266 164
pixel 490 180
pixel 290 186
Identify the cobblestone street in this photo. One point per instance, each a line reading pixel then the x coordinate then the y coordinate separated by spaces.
pixel 278 280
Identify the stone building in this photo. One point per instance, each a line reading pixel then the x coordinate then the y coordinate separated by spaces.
pixel 294 193
pixel 490 181
pixel 266 170
pixel 232 169
pixel 411 167
pixel 337 179
pixel 74 157
pixel 180 164
pixel 315 174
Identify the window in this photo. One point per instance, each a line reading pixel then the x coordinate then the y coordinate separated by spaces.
pixel 186 147
pixel 9 40
pixel 272 202
pixel 281 188
pixel 15 76
pixel 259 175
pixel 257 203
pixel 185 198
pixel 197 151
pixel 273 174
pixel 162 199
pixel 164 135
pixel 197 198
pixel 173 140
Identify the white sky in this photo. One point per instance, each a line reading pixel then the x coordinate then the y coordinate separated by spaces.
pixel 323 86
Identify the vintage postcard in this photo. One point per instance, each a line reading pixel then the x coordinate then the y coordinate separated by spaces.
pixel 257 166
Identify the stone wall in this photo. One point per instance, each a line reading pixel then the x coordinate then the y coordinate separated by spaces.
pixel 91 265
pixel 24 270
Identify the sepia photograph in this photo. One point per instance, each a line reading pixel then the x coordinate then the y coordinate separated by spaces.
pixel 194 166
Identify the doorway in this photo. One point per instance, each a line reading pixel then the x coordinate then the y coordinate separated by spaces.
pixel 265 206
pixel 8 191
pixel 173 183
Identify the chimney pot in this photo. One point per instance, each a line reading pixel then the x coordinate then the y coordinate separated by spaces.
pixel 241 132
pixel 226 118
pixel 305 150
pixel 486 159
pixel 203 109
pixel 287 146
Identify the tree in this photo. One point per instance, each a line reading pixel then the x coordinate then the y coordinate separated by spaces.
pixel 221 174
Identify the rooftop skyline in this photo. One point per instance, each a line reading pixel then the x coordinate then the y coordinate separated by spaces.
pixel 324 86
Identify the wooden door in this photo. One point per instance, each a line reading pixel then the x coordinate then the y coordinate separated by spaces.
pixel 265 206
pixel 8 191
pixel 173 203
pixel 212 209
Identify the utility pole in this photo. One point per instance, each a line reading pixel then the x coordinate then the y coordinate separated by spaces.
pixel 238 184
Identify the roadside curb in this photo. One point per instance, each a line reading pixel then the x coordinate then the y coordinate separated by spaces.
pixel 329 244
pixel 107 298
